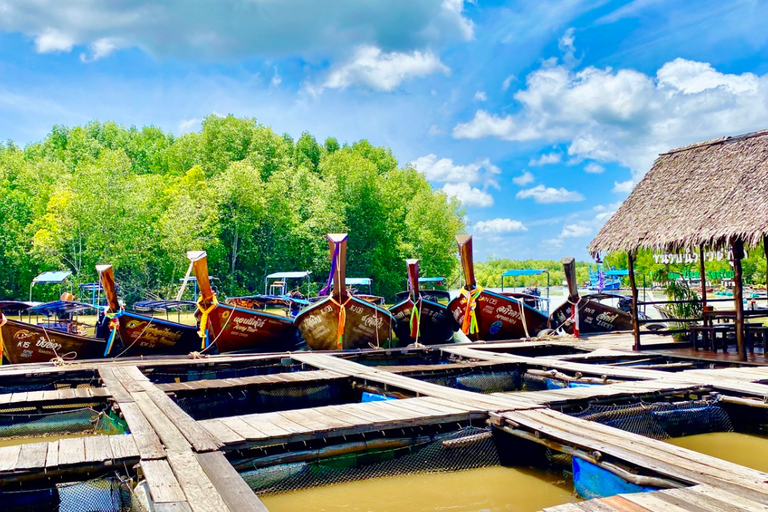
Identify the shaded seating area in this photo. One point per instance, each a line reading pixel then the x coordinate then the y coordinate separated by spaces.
pixel 702 197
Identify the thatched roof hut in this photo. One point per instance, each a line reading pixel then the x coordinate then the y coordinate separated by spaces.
pixel 711 193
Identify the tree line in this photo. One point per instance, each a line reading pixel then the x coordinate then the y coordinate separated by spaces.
pixel 256 201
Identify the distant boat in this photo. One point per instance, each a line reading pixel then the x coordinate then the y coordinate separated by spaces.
pixel 594 314
pixel 24 342
pixel 341 320
pixel 235 328
pixel 488 316
pixel 142 335
pixel 418 319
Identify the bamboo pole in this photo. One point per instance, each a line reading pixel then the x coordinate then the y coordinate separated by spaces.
pixel 633 284
pixel 765 249
pixel 738 254
pixel 703 278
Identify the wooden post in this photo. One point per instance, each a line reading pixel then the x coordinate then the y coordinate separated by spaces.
pixel 703 278
pixel 738 254
pixel 765 249
pixel 633 285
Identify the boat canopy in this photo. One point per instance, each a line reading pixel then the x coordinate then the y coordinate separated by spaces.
pixel 52 276
pixel 290 275
pixel 523 272
pixel 362 281
pixel 16 305
pixel 60 307
pixel 431 279
pixel 162 305
pixel 616 273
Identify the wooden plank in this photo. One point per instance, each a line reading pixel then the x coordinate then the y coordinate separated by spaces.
pixel 222 432
pixel 197 436
pixel 651 501
pixel 5 398
pixel 162 483
pixel 113 385
pixel 71 451
pixel 98 449
pixel 123 447
pixel 725 495
pixel 9 456
pixel 143 434
pixel 237 495
pixel 242 428
pixel 178 506
pixel 702 501
pixel 52 455
pixel 622 505
pixel 32 456
pixel 274 424
pixel 172 438
pixel 19 397
pixel 201 494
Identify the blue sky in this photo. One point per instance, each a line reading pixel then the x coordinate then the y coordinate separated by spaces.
pixel 540 116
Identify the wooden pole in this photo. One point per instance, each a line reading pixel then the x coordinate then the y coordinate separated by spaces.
pixel 765 249
pixel 703 278
pixel 738 254
pixel 633 285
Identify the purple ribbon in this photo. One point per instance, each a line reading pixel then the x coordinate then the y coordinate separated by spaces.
pixel 327 288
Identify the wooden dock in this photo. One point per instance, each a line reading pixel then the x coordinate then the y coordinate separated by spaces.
pixel 185 464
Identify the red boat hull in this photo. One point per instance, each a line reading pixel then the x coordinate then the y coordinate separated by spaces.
pixel 143 335
pixel 593 317
pixel 500 317
pixel 27 343
pixel 237 329
pixel 366 326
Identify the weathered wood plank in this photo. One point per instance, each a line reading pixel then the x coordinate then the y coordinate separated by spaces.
pixel 172 438
pixel 71 451
pixel 123 447
pixel 98 448
pixel 162 483
pixel 52 455
pixel 113 385
pixel 201 494
pixel 233 490
pixel 32 456
pixel 143 434
pixel 222 432
pixel 197 436
pixel 179 506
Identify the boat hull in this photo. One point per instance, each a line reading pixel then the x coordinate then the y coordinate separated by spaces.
pixel 500 317
pixel 27 343
pixel 142 335
pixel 366 325
pixel 594 317
pixel 238 329
pixel 436 324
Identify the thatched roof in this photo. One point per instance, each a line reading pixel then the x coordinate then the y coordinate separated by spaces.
pixel 708 193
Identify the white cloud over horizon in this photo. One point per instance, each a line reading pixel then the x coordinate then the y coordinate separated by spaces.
pixel 499 226
pixel 625 116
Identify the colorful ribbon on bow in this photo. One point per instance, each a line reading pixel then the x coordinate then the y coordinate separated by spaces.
pixel 342 320
pixel 114 325
pixel 415 320
pixel 203 332
pixel 469 325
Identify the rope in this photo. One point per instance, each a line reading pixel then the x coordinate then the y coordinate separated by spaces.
pixel 343 321
pixel 521 303
pixel 58 360
pixel 469 325
pixel 203 332
pixel 213 343
pixel 151 319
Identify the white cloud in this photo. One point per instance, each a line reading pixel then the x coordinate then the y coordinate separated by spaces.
pixel 546 195
pixel 575 230
pixel 546 159
pixel 524 179
pixel 625 187
pixel 594 168
pixel 469 196
pixel 234 28
pixel 276 79
pixel 189 125
pixel 567 48
pixel 499 226
pixel 443 170
pixel 371 67
pixel 435 130
pixel 507 82
pixel 625 116
pixel 480 96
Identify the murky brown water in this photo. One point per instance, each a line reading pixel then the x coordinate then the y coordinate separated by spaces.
pixel 495 489
pixel 745 449
pixel 13 441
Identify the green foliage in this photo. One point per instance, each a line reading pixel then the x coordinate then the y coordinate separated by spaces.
pixel 253 199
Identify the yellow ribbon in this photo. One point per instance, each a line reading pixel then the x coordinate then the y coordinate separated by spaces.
pixel 469 325
pixel 415 319
pixel 342 320
pixel 203 332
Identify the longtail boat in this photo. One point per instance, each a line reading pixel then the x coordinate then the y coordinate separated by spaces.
pixel 142 334
pixel 235 328
pixel 341 320
pixel 487 316
pixel 594 315
pixel 23 342
pixel 418 319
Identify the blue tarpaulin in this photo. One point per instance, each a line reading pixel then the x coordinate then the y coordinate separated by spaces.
pixel 53 276
pixel 522 272
pixel 431 279
pixel 60 307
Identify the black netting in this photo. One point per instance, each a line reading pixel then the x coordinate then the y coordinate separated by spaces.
pixel 105 494
pixel 541 383
pixel 468 448
pixel 259 400
pixel 208 373
pixel 662 420
pixel 480 381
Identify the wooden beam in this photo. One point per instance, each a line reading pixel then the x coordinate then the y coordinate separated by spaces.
pixel 738 254
pixel 765 249
pixel 703 273
pixel 633 285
